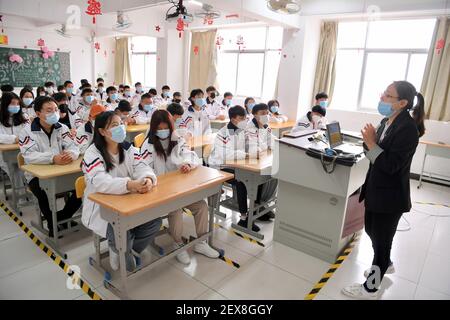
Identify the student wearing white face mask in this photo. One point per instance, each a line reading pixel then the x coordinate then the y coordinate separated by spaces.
pixel 275 114
pixel 27 97
pixel 143 112
pixel 136 99
pixel 195 118
pixel 113 98
pixel 176 110
pixel 101 94
pixel 313 120
pixel 50 88
pixel 165 152
pixel 40 92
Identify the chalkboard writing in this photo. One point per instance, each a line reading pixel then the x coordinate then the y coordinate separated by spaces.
pixel 34 70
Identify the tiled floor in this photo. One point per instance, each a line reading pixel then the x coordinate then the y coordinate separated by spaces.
pixel 421 258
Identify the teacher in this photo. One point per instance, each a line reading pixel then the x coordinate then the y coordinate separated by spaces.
pixel 390 148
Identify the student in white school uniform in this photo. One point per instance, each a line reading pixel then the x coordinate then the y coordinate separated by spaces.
pixel 71 96
pixel 142 113
pixel 176 110
pixel 227 101
pixel 136 99
pixel 164 151
pixel 176 97
pixel 124 111
pixel 100 94
pixel 249 103
pixel 71 120
pixel 87 101
pixel 313 120
pixel 12 122
pixel 195 118
pixel 213 108
pixel 113 166
pixel 126 95
pixel 27 97
pixel 113 98
pixel 275 114
pixel 85 133
pixel 166 95
pixel 46 141
pixel 84 84
pixel 157 101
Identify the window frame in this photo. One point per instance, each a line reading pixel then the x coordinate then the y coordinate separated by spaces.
pixel 146 54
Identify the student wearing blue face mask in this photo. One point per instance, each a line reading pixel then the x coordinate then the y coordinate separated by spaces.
pixel 227 101
pixel 143 113
pixel 46 141
pixel 165 152
pixel 113 166
pixel 166 95
pixel 126 93
pixel 136 99
pixel 87 101
pixel 27 96
pixel 196 118
pixel 12 122
pixel 249 103
pixel 275 114
pixel 176 110
pixel 386 192
pixel 113 98
pixel 322 100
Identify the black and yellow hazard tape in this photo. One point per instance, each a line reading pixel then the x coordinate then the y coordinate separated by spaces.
pixel 433 204
pixel 52 255
pixel 221 257
pixel 240 235
pixel 335 266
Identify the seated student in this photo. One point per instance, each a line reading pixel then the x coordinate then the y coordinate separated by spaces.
pixel 6 88
pixel 322 100
pixel 85 133
pixel 121 89
pixel 83 82
pixel 50 88
pixel 195 119
pixel 71 120
pixel 113 98
pixel 176 97
pixel 100 81
pixel 249 103
pixel 260 139
pixel 40 92
pixel 136 99
pixel 227 100
pixel 166 96
pixel 87 101
pixel 61 88
pixel 275 115
pixel 126 93
pixel 73 103
pixel 164 151
pixel 230 144
pixel 143 112
pixel 123 110
pixel 313 120
pixel 27 96
pixel 113 166
pixel 100 93
pixel 213 108
pixel 157 101
pixel 46 141
pixel 12 122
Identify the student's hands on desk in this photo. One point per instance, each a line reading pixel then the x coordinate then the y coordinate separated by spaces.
pixel 63 158
pixel 140 186
pixel 185 168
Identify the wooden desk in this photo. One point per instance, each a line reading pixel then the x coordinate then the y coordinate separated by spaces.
pixel 174 191
pixel 202 145
pixel 435 149
pixel 135 129
pixel 55 179
pixel 253 173
pixel 279 128
pixel 10 152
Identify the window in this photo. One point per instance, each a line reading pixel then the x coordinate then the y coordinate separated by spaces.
pixel 371 55
pixel 250 68
pixel 143 60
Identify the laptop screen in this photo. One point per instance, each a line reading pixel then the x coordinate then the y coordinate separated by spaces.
pixel 334 134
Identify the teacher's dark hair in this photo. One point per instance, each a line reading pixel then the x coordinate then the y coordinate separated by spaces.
pixel 406 91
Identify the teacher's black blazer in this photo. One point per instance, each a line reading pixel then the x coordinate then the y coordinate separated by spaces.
pixel 386 188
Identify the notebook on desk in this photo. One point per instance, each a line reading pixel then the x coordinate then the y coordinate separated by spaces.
pixel 299 134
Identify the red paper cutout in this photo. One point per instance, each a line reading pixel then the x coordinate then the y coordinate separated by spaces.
pixel 196 50
pixel 219 41
pixel 440 44
pixel 41 42
pixel 158 28
pixel 180 26
pixel 94 8
pixel 97 46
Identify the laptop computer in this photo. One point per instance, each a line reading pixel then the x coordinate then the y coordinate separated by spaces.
pixel 336 140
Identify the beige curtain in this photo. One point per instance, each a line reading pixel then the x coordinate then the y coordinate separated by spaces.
pixel 122 68
pixel 325 68
pixel 436 80
pixel 203 64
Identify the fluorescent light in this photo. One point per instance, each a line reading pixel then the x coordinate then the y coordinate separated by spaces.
pixel 197 3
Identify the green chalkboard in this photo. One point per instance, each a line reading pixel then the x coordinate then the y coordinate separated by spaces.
pixel 34 70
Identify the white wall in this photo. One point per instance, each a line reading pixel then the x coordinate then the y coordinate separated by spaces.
pixel 104 66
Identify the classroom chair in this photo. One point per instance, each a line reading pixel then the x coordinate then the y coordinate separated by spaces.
pixel 139 140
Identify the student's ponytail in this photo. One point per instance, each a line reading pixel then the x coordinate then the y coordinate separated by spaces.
pixel 419 114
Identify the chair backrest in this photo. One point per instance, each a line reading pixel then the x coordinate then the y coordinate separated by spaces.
pixel 139 140
pixel 20 160
pixel 80 186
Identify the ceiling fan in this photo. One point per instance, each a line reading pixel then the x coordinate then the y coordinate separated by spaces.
pixel 123 22
pixel 284 6
pixel 179 12
pixel 207 13
pixel 63 32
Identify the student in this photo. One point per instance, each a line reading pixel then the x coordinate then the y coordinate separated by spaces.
pixel 40 92
pixel 157 101
pixel 61 88
pixel 143 112
pixel 87 101
pixel 27 97
pixel 260 139
pixel 176 97
pixel 100 93
pixel 50 88
pixel 322 100
pixel 230 144
pixel 275 115
pixel 166 95
pixel 113 98
pixel 166 152
pixel 213 108
pixel 6 88
pixel 136 99
pixel 195 118
pixel 71 120
pixel 73 103
pixel 12 122
pixel 176 110
pixel 85 133
pixel 126 93
pixel 123 110
pixel 100 81
pixel 112 166
pixel 121 88
pixel 45 141
pixel 227 100
pixel 249 103
pixel 313 120
pixel 83 82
